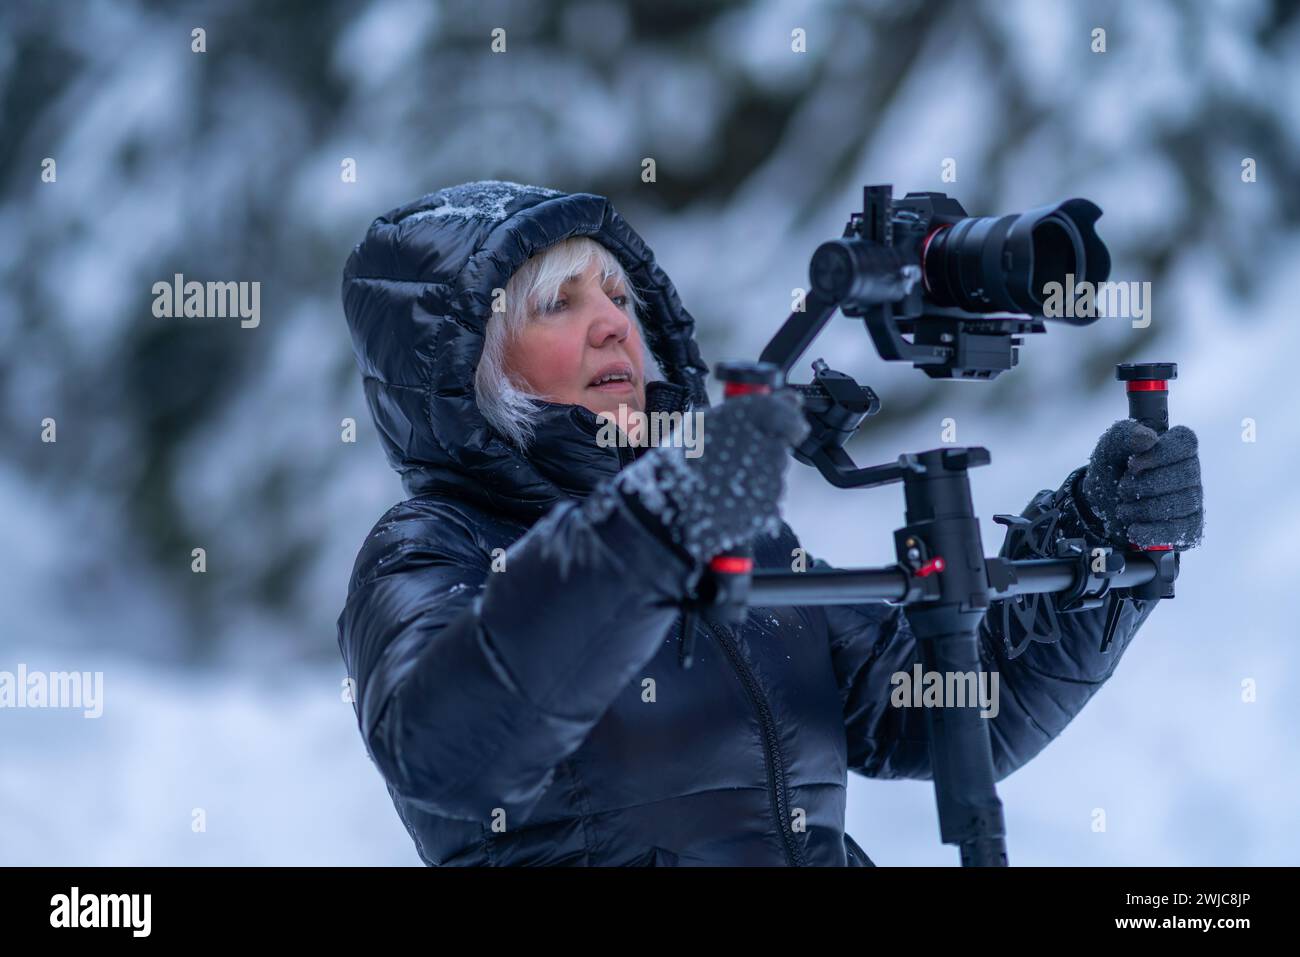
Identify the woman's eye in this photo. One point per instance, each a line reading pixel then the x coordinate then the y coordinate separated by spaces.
pixel 624 299
pixel 558 305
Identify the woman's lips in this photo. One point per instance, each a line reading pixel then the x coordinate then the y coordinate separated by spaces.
pixel 624 385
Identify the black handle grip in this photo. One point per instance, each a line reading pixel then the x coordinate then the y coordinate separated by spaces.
pixel 726 580
pixel 731 570
pixel 1147 384
pixel 1148 391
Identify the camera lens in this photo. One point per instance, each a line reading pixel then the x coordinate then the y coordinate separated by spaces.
pixel 1056 251
pixel 1003 263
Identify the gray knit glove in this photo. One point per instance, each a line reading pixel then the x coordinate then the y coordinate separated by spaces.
pixel 729 493
pixel 1146 487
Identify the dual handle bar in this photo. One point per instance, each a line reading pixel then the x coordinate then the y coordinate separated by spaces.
pixel 945 585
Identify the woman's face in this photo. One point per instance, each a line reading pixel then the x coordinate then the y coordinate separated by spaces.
pixel 562 351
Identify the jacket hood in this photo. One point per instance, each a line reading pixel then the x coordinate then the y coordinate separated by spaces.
pixel 417 293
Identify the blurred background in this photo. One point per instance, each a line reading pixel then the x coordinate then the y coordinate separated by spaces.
pixel 223 690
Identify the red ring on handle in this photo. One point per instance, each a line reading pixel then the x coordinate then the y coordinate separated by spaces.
pixel 731 564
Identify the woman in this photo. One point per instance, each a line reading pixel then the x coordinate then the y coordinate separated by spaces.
pixel 511 627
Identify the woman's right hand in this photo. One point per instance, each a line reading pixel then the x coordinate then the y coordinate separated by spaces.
pixel 730 492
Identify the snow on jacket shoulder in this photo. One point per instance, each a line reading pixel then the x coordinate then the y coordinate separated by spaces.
pixel 514 650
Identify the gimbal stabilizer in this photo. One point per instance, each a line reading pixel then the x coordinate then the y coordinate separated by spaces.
pixel 919 267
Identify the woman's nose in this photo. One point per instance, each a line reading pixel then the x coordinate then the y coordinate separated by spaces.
pixel 609 322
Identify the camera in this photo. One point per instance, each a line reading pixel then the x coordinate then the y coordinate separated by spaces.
pixel 924 253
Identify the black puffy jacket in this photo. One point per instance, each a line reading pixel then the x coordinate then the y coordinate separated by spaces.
pixel 535 713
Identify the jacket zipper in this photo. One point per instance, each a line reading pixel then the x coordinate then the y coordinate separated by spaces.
pixel 775 768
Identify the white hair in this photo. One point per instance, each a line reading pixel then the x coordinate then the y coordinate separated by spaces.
pixel 507 404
